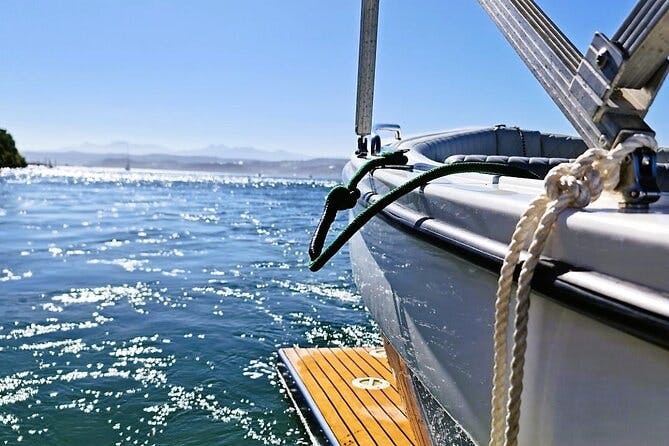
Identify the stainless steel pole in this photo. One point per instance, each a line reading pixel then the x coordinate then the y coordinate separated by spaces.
pixel 369 19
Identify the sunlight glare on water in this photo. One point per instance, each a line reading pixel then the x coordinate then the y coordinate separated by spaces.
pixel 146 307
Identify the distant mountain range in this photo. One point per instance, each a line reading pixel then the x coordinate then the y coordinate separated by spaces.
pixel 213 158
pixel 249 153
pixel 123 147
pixel 329 168
pixel 215 150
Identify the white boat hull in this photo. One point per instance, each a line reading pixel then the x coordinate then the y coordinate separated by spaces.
pixel 585 382
pixel 598 346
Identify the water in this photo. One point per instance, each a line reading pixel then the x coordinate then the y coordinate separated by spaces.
pixel 146 307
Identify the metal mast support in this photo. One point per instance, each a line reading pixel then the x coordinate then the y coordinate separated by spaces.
pixel 369 19
pixel 606 93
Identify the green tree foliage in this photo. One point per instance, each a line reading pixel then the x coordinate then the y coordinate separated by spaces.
pixel 9 155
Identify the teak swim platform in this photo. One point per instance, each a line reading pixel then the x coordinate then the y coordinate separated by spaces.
pixel 351 393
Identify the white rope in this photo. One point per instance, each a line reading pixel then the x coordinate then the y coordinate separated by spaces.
pixel 568 185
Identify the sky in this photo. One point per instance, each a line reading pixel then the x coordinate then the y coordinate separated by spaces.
pixel 277 75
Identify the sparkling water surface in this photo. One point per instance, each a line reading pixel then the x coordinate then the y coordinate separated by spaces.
pixel 146 307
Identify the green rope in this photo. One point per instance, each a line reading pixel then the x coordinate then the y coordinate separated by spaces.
pixel 385 159
pixel 448 169
pixel 342 198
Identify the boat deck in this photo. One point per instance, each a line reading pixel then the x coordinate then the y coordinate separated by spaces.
pixel 347 412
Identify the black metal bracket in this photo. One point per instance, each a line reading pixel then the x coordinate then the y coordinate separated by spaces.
pixel 375 145
pixel 361 152
pixel 638 180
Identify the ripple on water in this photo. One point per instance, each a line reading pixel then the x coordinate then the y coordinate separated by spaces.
pixel 332 291
pixel 146 307
pixel 129 265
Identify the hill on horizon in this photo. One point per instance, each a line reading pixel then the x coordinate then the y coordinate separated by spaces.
pixel 316 167
pixel 221 151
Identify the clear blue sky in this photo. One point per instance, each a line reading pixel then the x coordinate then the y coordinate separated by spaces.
pixel 271 74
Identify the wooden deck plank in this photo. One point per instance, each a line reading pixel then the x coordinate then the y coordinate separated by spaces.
pixel 358 368
pixel 336 423
pixel 354 416
pixel 324 389
pixel 361 401
pixel 349 397
pixel 407 391
pixel 379 365
pixel 392 416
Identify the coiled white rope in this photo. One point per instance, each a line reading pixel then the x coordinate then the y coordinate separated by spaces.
pixel 569 185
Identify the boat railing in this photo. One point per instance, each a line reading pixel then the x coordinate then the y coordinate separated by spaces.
pixel 394 128
pixel 375 141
